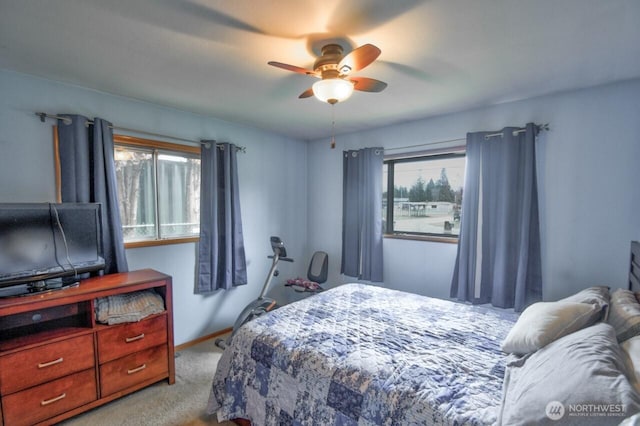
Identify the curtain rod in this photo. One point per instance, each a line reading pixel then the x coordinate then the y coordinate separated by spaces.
pixel 515 132
pixel 67 121
pixel 540 128
pixel 425 144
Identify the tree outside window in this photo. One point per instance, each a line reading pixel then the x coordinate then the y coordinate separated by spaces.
pixel 158 189
pixel 427 195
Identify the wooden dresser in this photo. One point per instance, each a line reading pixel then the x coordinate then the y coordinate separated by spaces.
pixel 56 361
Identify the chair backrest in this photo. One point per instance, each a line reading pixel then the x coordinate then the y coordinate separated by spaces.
pixel 318 267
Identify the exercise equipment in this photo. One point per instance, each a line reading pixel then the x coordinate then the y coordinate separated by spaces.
pixel 262 304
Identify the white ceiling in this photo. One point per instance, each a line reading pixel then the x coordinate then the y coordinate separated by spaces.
pixel 210 56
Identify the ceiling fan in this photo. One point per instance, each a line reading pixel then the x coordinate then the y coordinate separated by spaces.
pixel 335 70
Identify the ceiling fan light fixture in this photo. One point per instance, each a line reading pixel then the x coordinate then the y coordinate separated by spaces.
pixel 333 90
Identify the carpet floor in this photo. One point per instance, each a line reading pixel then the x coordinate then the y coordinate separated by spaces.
pixel 180 404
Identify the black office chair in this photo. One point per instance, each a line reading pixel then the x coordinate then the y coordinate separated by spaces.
pixel 318 267
pixel 316 274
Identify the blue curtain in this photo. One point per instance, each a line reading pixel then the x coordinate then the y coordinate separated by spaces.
pixel 221 256
pixel 498 259
pixel 88 176
pixel 362 214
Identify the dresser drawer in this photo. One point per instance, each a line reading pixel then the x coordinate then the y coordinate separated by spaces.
pixel 30 367
pixel 44 401
pixel 120 340
pixel 133 369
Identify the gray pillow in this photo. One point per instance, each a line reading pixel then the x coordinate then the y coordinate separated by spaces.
pixel 575 378
pixel 598 295
pixel 544 322
pixel 624 314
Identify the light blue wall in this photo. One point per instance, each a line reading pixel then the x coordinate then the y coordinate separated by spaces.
pixel 588 178
pixel 588 187
pixel 272 194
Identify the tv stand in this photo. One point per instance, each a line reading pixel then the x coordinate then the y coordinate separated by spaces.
pixel 56 361
pixel 40 286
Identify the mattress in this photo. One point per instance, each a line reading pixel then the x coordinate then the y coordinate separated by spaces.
pixel 365 355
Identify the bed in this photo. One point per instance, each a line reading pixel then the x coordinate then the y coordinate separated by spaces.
pixel 366 355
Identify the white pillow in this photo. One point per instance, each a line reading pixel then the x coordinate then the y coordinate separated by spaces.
pixel 624 314
pixel 585 368
pixel 597 294
pixel 544 322
pixel 631 421
pixel 632 348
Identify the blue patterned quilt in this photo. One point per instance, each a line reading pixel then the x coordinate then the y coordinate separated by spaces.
pixel 365 355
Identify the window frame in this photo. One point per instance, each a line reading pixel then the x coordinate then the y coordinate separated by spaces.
pixel 157 147
pixel 390 162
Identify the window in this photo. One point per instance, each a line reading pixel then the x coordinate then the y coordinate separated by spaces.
pixel 158 190
pixel 422 196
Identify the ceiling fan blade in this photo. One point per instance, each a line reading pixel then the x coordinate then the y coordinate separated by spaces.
pixel 362 16
pixel 213 15
pixel 358 59
pixel 292 68
pixel 306 94
pixel 365 84
pixel 410 71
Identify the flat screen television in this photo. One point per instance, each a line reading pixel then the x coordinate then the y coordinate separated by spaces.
pixel 45 246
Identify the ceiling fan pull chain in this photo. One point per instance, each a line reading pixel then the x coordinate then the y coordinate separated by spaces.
pixel 333 126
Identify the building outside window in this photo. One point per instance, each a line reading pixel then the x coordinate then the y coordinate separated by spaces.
pixel 426 196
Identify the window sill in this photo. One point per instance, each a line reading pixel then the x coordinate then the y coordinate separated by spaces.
pixel 168 241
pixel 430 238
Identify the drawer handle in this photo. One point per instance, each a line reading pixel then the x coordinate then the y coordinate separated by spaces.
pixel 50 363
pixel 52 400
pixel 133 339
pixel 135 370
